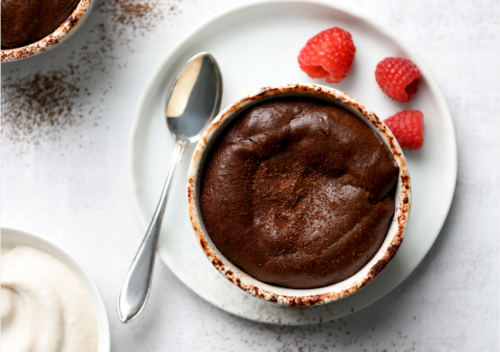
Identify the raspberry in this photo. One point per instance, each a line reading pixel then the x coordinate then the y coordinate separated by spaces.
pixel 408 128
pixel 329 53
pixel 398 78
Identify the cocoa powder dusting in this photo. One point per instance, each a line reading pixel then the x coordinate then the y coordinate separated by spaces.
pixel 132 18
pixel 41 105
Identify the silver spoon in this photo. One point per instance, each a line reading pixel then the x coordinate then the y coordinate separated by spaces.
pixel 194 99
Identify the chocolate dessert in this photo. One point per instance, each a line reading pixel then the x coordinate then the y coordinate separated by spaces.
pixel 26 21
pixel 298 193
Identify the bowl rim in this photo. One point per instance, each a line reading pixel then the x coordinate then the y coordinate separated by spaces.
pixel 288 296
pixel 52 39
pixel 29 239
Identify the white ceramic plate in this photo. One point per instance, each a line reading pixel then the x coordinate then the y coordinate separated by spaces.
pixel 257 46
pixel 12 237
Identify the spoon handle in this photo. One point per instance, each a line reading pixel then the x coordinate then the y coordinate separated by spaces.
pixel 135 288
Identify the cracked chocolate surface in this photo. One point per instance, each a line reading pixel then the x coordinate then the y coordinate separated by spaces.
pixel 298 193
pixel 26 21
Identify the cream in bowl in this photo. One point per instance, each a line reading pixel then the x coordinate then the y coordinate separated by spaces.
pixel 48 303
pixel 299 194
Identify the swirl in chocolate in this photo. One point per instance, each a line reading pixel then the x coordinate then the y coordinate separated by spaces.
pixel 298 193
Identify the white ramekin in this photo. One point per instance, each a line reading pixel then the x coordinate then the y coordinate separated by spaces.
pixel 282 295
pixel 13 237
pixel 63 32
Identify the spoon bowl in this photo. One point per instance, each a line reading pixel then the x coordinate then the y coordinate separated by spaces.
pixel 188 115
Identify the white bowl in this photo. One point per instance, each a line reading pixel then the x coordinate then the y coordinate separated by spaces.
pixel 13 237
pixel 282 295
pixel 63 32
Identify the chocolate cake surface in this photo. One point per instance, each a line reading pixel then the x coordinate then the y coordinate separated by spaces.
pixel 26 21
pixel 298 193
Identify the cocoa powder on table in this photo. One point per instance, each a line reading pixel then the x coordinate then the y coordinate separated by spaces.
pixel 40 106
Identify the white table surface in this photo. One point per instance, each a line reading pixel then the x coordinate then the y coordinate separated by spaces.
pixel 74 190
